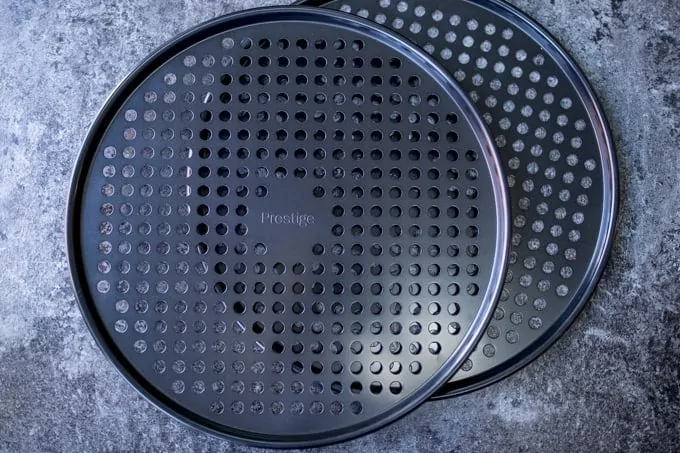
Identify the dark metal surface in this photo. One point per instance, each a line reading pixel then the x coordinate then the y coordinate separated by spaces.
pixel 557 153
pixel 288 227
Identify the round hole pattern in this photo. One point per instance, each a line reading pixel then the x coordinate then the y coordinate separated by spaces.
pixel 275 238
pixel 557 160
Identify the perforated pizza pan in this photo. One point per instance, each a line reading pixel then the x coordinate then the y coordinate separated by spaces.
pixel 288 227
pixel 556 151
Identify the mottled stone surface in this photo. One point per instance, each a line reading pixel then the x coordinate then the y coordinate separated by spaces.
pixel 610 384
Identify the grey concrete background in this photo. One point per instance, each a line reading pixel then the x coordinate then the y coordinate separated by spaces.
pixel 610 384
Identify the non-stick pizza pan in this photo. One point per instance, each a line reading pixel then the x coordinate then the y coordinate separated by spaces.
pixel 288 226
pixel 556 151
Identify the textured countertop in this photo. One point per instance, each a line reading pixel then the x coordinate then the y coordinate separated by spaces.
pixel 610 384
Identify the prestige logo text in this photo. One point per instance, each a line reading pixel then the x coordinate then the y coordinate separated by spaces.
pixel 294 218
